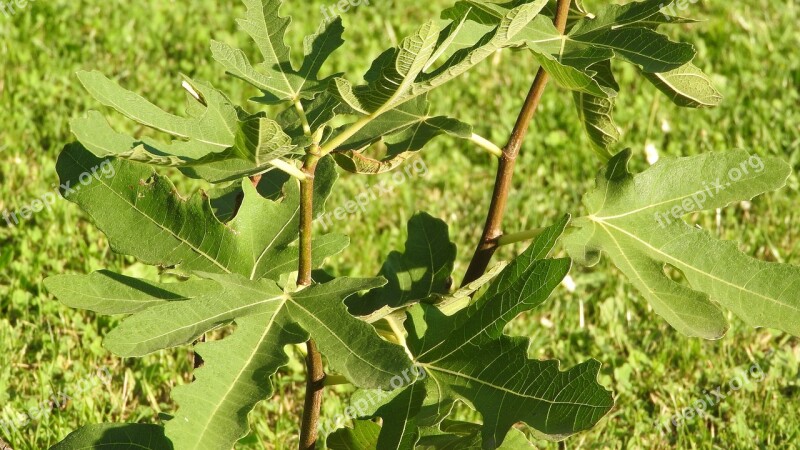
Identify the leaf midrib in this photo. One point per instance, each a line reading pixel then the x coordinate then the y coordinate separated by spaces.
pixel 506 390
pixel 324 325
pixel 679 263
pixel 159 225
pixel 253 353
pixel 206 319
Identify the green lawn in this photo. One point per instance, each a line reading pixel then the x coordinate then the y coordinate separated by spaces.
pixel 49 352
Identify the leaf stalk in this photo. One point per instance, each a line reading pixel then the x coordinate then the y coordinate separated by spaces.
pixel 487 145
pixel 301 112
pixel 289 168
pixel 522 236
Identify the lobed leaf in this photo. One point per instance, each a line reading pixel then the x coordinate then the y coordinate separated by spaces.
pixel 236 375
pixel 595 113
pixel 218 142
pixel 213 410
pixel 424 268
pixel 178 323
pixel 635 220
pixel 401 74
pixel 277 79
pixel 211 132
pixel 405 130
pixel 467 357
pixel 116 436
pixel 106 292
pixel 137 206
pixel 687 86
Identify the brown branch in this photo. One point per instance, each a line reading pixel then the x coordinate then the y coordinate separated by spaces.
pixel 315 383
pixel 315 374
pixel 4 445
pixel 505 169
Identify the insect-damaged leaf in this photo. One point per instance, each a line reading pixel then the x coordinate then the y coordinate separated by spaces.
pixel 184 233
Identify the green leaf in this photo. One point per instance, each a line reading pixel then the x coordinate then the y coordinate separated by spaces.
pixel 213 144
pixel 211 132
pixel 405 130
pixel 363 435
pixel 400 429
pixel 213 411
pixel 395 77
pixel 479 11
pixel 319 112
pixel 635 221
pixel 277 79
pixel 424 268
pixel 106 292
pixel 463 435
pixel 116 436
pixel 621 28
pixel 687 87
pixel 227 198
pixel 236 375
pixel 571 77
pixel 632 14
pixel 626 30
pixel 345 340
pixel 96 135
pixel 408 127
pixel 357 162
pixel 451 303
pixel 172 324
pixel 595 113
pixel 399 74
pixel 580 61
pixel 185 233
pixel 402 74
pixel 467 357
pixel 241 262
pixel 260 140
pixel 565 61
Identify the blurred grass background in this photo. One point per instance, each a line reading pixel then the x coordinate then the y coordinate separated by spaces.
pixel 749 46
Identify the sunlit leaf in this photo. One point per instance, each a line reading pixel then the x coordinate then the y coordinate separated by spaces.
pixel 636 221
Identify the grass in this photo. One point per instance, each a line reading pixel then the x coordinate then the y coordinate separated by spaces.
pixel 750 46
